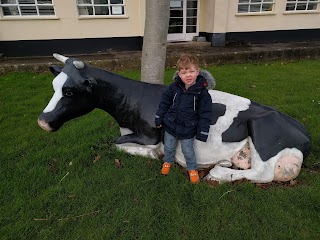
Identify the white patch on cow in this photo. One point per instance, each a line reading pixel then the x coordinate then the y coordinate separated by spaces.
pixel 125 131
pixel 57 84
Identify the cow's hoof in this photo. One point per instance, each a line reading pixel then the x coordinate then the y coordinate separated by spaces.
pixel 287 168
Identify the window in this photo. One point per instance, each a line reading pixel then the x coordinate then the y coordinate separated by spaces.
pixel 255 6
pixel 298 5
pixel 100 7
pixel 26 7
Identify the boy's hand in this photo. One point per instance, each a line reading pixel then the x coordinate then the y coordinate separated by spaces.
pixel 159 126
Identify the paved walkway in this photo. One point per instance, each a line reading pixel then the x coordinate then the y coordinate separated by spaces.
pixel 131 60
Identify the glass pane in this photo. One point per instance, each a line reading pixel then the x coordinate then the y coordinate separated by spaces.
pixel 301 6
pixel 192 4
pixel 8 1
pixel 176 29
pixel 101 10
pixel 10 11
pixel 254 8
pixel 176 21
pixel 44 1
pixel 117 10
pixel 267 7
pixel 191 29
pixel 256 1
pixel 175 4
pixel 176 13
pixel 26 1
pixel 290 7
pixel 84 1
pixel 243 8
pixel 116 1
pixel 46 10
pixel 191 21
pixel 312 6
pixel 243 1
pixel 100 1
pixel 191 12
pixel 85 11
pixel 28 10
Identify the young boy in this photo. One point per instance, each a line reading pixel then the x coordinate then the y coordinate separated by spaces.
pixel 185 112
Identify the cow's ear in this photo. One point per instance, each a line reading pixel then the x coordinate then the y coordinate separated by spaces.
pixel 55 69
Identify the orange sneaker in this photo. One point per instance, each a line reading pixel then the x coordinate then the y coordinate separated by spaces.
pixel 165 168
pixel 194 176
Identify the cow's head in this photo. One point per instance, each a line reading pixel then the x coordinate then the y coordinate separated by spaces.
pixel 72 96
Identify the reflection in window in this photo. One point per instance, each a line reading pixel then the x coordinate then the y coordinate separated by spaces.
pixel 255 6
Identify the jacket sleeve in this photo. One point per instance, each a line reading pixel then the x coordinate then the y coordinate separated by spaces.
pixel 165 104
pixel 205 116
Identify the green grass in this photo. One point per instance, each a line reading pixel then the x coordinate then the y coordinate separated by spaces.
pixel 65 185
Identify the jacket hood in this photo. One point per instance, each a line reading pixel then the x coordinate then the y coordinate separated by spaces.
pixel 211 82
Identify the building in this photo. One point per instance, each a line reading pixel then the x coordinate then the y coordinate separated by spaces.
pixel 39 27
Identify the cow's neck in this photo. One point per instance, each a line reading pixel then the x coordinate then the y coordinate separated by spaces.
pixel 119 96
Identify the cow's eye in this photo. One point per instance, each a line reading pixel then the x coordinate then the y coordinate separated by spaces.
pixel 69 93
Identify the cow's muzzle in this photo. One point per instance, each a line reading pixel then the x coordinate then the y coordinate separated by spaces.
pixel 44 125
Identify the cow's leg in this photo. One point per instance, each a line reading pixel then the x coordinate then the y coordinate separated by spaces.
pixel 136 138
pixel 136 144
pixel 286 168
pixel 222 174
pixel 260 171
pixel 152 151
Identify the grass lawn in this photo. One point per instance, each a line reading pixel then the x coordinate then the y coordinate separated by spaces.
pixel 66 185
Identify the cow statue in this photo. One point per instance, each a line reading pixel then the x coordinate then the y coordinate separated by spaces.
pixel 247 140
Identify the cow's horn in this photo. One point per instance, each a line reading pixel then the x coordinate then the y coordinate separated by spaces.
pixel 78 64
pixel 60 57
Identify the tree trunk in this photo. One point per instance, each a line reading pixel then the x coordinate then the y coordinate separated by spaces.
pixel 155 41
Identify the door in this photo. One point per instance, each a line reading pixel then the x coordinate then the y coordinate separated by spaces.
pixel 183 25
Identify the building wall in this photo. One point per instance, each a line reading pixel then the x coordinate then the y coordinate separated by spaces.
pixel 222 24
pixel 68 25
pixel 277 20
pixel 67 33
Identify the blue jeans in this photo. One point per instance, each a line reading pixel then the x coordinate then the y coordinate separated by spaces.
pixel 170 144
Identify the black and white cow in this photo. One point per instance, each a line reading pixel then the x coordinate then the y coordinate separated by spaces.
pixel 247 140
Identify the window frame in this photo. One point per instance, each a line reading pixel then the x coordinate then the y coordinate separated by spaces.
pixel 109 5
pixel 17 9
pixel 306 10
pixel 251 3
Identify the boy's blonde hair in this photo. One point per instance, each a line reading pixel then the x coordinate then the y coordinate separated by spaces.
pixel 186 60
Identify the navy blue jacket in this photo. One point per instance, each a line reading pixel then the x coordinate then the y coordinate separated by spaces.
pixel 186 113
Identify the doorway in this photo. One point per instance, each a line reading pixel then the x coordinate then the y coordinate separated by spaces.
pixel 183 25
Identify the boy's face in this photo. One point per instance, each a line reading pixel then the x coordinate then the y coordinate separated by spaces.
pixel 189 75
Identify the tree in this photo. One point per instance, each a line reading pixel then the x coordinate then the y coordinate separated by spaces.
pixel 155 41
